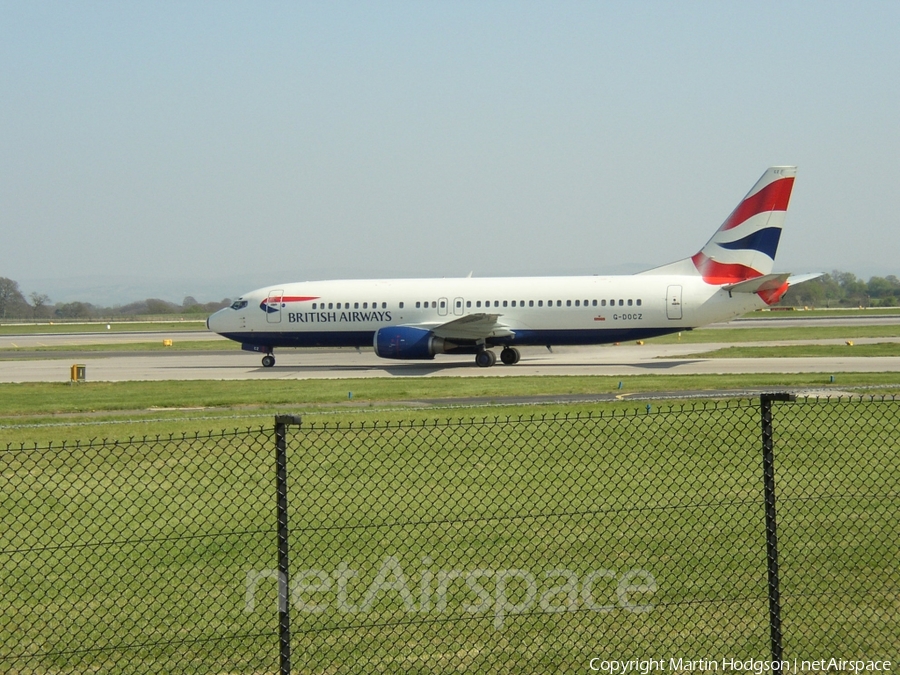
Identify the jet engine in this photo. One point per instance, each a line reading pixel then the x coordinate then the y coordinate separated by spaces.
pixel 407 342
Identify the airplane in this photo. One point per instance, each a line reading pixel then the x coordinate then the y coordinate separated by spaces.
pixel 420 318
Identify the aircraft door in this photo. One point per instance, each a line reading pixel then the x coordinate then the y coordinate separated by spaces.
pixel 458 306
pixel 673 302
pixel 273 306
pixel 442 306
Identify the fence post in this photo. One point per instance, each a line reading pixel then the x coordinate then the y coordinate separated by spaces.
pixel 768 447
pixel 284 616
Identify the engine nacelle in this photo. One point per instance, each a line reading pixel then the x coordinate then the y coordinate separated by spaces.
pixel 407 342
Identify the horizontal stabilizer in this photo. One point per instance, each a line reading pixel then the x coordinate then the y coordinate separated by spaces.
pixel 800 278
pixel 767 282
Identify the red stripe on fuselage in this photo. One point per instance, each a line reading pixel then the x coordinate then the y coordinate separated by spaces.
pixel 774 197
pixel 290 298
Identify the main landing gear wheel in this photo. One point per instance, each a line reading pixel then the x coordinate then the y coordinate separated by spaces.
pixel 268 361
pixel 485 359
pixel 510 356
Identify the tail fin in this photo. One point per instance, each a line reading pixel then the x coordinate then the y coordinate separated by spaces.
pixel 744 246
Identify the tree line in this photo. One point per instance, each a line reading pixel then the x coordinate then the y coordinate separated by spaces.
pixel 39 306
pixel 838 289
pixel 844 289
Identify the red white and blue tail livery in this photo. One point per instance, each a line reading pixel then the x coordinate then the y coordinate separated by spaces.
pixel 744 246
pixel 419 318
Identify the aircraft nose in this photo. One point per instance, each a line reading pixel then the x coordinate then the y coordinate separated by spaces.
pixel 215 322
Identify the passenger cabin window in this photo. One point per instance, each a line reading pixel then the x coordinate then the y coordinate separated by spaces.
pixel 418 305
pixel 478 304
pixel 594 303
pixel 621 302
pixel 401 305
pixel 629 302
pixel 531 303
pixel 383 305
pixel 603 303
pixel 578 303
pixel 330 305
pixel 504 303
pixel 540 303
pixel 468 303
pixel 639 302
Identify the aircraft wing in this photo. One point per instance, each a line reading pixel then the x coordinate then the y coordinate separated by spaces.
pixel 472 327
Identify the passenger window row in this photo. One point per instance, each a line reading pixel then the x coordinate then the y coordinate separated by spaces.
pixel 556 303
pixel 434 304
pixel 348 305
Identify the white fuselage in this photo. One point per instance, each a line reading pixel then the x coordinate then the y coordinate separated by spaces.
pixel 535 310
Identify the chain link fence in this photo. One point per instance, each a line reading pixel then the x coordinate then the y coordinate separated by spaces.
pixel 619 542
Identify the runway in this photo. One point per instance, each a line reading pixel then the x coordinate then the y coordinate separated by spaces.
pixel 334 364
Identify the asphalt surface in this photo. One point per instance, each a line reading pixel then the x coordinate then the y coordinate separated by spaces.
pixel 622 360
pixel 308 364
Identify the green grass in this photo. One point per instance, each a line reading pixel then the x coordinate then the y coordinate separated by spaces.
pixel 156 326
pixel 157 346
pixel 705 335
pixel 67 412
pixel 150 544
pixel 801 313
pixel 791 351
pixel 42 398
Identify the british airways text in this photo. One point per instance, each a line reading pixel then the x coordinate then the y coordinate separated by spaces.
pixel 338 317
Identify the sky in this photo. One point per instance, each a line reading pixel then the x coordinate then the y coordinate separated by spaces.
pixel 166 149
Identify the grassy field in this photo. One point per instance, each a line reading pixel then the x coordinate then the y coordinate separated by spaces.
pixel 57 412
pixel 790 351
pixel 120 557
pixel 156 346
pixel 160 325
pixel 137 557
pixel 703 335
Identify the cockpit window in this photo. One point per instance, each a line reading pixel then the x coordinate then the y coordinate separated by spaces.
pixel 238 304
